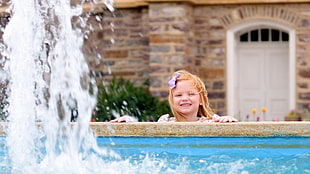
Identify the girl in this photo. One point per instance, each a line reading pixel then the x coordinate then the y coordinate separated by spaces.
pixel 188 101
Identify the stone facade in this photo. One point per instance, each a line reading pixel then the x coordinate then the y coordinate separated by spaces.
pixel 153 41
pixel 150 40
pixel 119 45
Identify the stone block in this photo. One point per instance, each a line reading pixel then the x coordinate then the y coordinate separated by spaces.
pixel 305 23
pixel 211 73
pixel 303 37
pixel 155 59
pixel 160 48
pixel 304 96
pixel 302 85
pixel 304 73
pixel 159 69
pixel 173 11
pixel 163 38
pixel 218 85
pixel 116 54
pixel 216 95
pixel 181 27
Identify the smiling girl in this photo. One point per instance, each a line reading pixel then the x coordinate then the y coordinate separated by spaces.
pixel 188 102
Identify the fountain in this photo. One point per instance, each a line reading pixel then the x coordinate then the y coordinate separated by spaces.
pixel 49 78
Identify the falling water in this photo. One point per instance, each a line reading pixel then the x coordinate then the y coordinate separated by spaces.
pixel 49 78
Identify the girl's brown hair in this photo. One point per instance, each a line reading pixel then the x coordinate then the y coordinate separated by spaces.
pixel 204 109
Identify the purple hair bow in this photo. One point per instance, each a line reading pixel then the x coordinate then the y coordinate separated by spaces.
pixel 172 82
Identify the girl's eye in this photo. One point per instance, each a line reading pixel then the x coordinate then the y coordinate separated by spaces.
pixel 178 95
pixel 192 94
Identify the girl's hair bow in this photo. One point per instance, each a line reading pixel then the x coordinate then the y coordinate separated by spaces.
pixel 172 82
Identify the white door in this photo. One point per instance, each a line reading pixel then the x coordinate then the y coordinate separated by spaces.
pixel 262 80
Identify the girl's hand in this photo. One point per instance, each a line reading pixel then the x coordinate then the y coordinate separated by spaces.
pixel 124 119
pixel 226 119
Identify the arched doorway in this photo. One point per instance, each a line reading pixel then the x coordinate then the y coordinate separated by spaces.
pixel 260 70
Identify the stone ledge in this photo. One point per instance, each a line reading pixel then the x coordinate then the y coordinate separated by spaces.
pixel 241 129
pixel 154 129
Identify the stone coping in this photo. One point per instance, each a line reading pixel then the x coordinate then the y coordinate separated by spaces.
pixel 154 129
pixel 140 3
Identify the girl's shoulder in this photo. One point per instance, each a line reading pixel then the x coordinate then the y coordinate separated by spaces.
pixel 166 118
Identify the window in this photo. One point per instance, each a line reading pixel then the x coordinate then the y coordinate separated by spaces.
pixel 264 35
pixel 275 35
pixel 244 37
pixel 254 35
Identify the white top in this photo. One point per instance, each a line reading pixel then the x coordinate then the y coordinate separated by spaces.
pixel 167 118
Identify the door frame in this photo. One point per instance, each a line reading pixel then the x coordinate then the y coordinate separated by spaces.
pixel 232 56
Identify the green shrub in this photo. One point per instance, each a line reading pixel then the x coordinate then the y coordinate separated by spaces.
pixel 123 98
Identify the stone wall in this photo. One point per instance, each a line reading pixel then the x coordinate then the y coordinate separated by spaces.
pixel 153 41
pixel 119 45
pixel 210 59
pixel 171 43
pixel 303 57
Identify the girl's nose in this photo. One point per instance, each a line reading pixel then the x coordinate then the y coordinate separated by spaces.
pixel 185 97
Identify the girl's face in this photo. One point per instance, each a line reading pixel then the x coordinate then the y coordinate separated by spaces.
pixel 186 99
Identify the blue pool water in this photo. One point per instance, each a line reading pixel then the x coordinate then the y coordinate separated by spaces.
pixel 283 155
pixel 218 155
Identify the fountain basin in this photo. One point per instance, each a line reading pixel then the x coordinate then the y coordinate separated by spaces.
pixel 151 147
pixel 241 129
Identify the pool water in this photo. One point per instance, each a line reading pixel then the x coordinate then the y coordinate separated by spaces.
pixel 201 155
pixel 217 154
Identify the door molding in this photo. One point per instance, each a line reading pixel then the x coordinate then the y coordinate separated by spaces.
pixel 231 60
